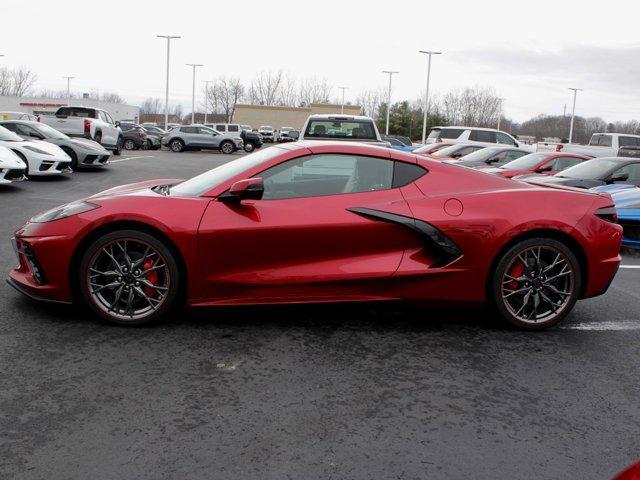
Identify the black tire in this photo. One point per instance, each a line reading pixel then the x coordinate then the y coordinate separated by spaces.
pixel 97 306
pixel 98 137
pixel 129 144
pixel 24 159
pixel 249 146
pixel 176 145
pixel 227 147
pixel 74 158
pixel 514 284
pixel 118 149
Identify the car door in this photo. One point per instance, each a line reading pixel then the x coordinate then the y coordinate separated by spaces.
pixel 207 137
pixel 190 135
pixel 629 174
pixel 319 225
pixel 110 131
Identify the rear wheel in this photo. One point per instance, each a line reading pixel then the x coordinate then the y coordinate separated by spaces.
pixel 227 147
pixel 536 283
pixel 129 144
pixel 98 137
pixel 129 277
pixel 118 149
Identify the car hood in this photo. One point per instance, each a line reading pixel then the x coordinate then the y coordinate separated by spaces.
pixel 8 159
pixel 50 148
pixel 626 198
pixel 137 187
pixel 90 144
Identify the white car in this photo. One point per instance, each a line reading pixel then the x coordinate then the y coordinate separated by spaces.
pixel 42 158
pixel 487 137
pixel 12 169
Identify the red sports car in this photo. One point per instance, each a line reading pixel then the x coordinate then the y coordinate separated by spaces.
pixel 430 148
pixel 544 163
pixel 324 222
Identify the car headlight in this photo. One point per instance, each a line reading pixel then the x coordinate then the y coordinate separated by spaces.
pixel 36 150
pixel 73 208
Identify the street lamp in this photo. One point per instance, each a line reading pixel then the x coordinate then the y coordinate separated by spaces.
pixel 500 112
pixel 343 89
pixel 573 111
pixel 390 73
pixel 426 97
pixel 193 91
pixel 206 102
pixel 69 90
pixel 166 97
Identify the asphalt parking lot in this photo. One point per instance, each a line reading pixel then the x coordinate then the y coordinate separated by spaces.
pixel 352 391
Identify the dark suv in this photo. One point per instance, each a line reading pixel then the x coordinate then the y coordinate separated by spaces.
pixel 134 136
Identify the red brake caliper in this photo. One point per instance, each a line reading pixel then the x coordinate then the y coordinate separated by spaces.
pixel 152 277
pixel 516 271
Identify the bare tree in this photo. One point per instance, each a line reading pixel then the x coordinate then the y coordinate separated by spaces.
pixel 314 90
pixel 370 101
pixel 152 106
pixel 265 88
pixel 288 92
pixel 228 92
pixel 16 82
pixel 5 81
pixel 111 97
pixel 474 107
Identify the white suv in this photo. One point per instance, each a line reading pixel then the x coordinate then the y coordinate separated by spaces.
pixel 484 136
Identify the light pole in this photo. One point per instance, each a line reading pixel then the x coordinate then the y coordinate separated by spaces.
pixel 573 111
pixel 166 97
pixel 426 97
pixel 206 101
pixel 500 112
pixel 193 91
pixel 390 73
pixel 343 89
pixel 69 90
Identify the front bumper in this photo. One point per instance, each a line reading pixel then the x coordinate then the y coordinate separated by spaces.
pixel 47 165
pixel 8 175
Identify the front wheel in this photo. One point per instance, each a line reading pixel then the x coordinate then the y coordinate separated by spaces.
pixel 129 277
pixel 249 147
pixel 227 147
pixel 536 283
pixel 129 144
pixel 176 145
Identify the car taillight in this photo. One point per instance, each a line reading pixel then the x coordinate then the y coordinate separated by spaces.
pixel 609 214
pixel 87 126
pixel 559 147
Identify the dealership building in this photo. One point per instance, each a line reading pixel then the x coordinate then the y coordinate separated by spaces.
pixel 277 117
pixel 48 106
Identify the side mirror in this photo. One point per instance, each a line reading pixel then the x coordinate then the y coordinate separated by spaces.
pixel 545 168
pixel 248 189
pixel 117 123
pixel 493 160
pixel 620 177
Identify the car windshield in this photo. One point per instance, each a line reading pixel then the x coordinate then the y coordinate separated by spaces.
pixel 338 128
pixel 526 162
pixel 49 132
pixel 590 170
pixel 267 128
pixel 448 151
pixel 203 183
pixel 9 136
pixel 479 157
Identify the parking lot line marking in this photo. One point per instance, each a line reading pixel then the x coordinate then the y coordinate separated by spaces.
pixel 131 158
pixel 623 325
pixel 629 266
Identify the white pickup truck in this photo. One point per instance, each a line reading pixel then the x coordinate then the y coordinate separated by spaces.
pixel 346 128
pixel 91 123
pixel 600 145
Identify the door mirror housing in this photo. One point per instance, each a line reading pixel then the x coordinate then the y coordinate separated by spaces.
pixel 248 189
pixel 619 177
pixel 544 168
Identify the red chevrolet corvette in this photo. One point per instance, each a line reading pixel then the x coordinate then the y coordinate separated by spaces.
pixel 324 222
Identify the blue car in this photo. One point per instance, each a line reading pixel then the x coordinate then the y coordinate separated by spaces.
pixel 627 201
pixel 398 145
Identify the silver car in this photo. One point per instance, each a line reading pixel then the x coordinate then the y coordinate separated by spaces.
pixel 83 152
pixel 191 137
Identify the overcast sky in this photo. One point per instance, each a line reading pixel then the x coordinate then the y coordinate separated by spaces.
pixel 529 52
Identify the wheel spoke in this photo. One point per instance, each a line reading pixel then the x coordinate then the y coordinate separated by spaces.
pixel 147 283
pixel 112 307
pixel 550 302
pixel 103 287
pixel 141 260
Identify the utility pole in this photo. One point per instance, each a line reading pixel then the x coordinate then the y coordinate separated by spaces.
pixel 69 90
pixel 390 73
pixel 193 91
pixel 573 111
pixel 343 89
pixel 426 97
pixel 206 102
pixel 166 96
pixel 500 112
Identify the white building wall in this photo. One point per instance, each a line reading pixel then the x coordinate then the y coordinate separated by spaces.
pixel 48 106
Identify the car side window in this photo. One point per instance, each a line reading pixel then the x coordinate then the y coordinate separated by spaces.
pixel 504 139
pixel 26 131
pixel 632 171
pixel 628 141
pixel 483 136
pixel 11 126
pixel 233 128
pixel 189 129
pixel 220 128
pixel 513 154
pixel 562 163
pixel 326 174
